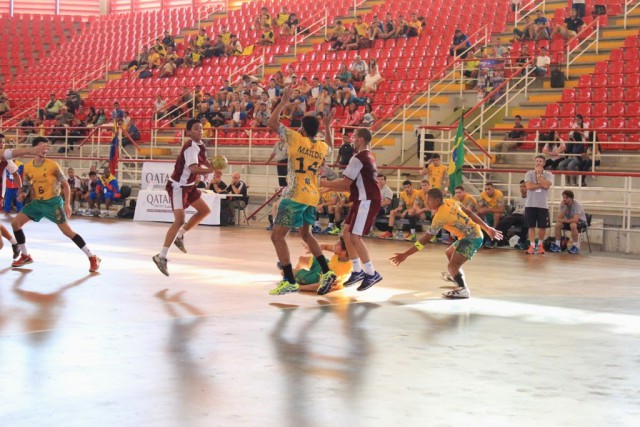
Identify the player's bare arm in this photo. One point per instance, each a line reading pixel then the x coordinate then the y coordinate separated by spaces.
pixel 492 232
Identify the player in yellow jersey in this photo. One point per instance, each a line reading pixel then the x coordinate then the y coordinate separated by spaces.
pixel 297 207
pixel 462 223
pixel 308 269
pixel 437 173
pixel 46 180
pixel 407 199
pixel 491 207
pixel 466 200
pixel 419 210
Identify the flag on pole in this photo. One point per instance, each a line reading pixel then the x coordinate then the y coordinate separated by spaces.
pixel 114 154
pixel 457 158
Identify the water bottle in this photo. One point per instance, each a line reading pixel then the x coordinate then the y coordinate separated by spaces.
pixel 399 235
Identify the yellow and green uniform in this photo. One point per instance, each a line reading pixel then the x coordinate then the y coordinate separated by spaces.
pixel 341 268
pixel 362 29
pixel 492 202
pixel 437 175
pixel 282 18
pixel 160 49
pixel 452 218
pixel 408 200
pixel 266 19
pixel 268 35
pixel 226 38
pixel 44 180
pixel 421 198
pixel 469 202
pixel 201 40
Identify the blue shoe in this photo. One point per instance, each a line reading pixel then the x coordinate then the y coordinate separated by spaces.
pixel 327 230
pixel 521 246
pixel 574 250
pixel 369 281
pixel 270 227
pixel 555 248
pixel 316 229
pixel 354 278
pixel 488 244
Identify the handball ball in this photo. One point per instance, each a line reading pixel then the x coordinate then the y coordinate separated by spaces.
pixel 219 163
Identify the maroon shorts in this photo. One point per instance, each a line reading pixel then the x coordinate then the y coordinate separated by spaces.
pixel 182 196
pixel 362 216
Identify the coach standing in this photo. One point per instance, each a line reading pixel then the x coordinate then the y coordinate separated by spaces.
pixel 536 208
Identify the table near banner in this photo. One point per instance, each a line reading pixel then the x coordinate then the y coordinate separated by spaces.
pixel 153 202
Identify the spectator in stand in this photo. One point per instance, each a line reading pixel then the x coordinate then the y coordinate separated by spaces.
pixel 192 58
pixel 247 105
pixel 159 107
pixel 314 93
pixel 358 69
pixel 290 27
pixel 282 17
pixel 466 200
pixel 217 185
pixel 238 189
pixel 304 87
pixel 141 60
pixel 52 108
pixel 586 163
pixel 415 27
pixel 65 117
pixel 555 148
pixel 58 132
pixel 217 49
pixel 389 27
pixel 402 26
pixel 133 134
pixel 514 139
pixel 263 20
pixel 371 81
pixel 235 47
pixel 541 27
pixel 343 40
pixel 155 61
pixel 267 38
pixel 571 27
pixel 460 45
pixel 515 218
pixel 352 41
pixel 571 218
pixel 168 40
pixel 4 105
pixel 274 92
pixel 168 69
pixel 352 118
pixel 172 55
pixel 117 112
pixel 343 73
pixel 407 199
pixel 501 50
pixel 237 115
pixel 323 105
pixel 225 35
pixel 524 58
pixel 73 100
pixel 361 27
pixel 337 32
pixel 346 150
pixel 200 42
pixel 528 31
pixel 102 117
pixel 491 207
pixel 575 148
pixel 579 7
pixel 376 30
pixel 369 117
pixel 543 62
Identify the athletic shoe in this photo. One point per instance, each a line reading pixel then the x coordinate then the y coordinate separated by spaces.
pixel 270 227
pixel 555 248
pixel 16 250
pixel 316 229
pixel 327 230
pixel 447 277
pixel 531 250
pixel 335 231
pixel 520 246
pixel 161 263
pixel 23 260
pixel 179 242
pixel 459 293
pixel 574 250
pixel 488 244
pixel 540 249
pixel 354 278
pixel 369 281
pixel 386 235
pixel 94 264
pixel 411 238
pixel 434 239
pixel 284 287
pixel 326 282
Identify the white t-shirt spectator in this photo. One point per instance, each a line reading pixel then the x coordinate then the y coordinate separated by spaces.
pixel 543 61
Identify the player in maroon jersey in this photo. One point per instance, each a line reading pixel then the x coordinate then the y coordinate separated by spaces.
pixel 183 193
pixel 360 179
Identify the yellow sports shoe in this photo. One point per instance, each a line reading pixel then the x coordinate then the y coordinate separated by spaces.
pixel 284 287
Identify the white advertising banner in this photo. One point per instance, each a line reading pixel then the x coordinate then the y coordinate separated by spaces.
pixel 154 205
pixel 155 175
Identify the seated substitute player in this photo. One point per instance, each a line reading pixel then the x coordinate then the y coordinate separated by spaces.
pixel 407 199
pixel 94 196
pixel 491 207
pixel 75 185
pixel 466 200
pixel 326 206
pixel 111 190
pixel 341 210
pixel 308 271
pixel 419 210
pixel 45 180
pixel 463 224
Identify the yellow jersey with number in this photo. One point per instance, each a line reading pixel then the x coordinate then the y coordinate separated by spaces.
pixel 436 175
pixel 408 199
pixel 44 179
pixel 492 202
pixel 305 158
pixel 452 218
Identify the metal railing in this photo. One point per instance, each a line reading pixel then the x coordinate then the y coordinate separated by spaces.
pixel 252 67
pixel 527 9
pixel 629 6
pixel 174 105
pixel 24 108
pixel 589 31
pixel 310 30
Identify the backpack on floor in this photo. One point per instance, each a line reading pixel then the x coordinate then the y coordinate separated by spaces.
pixel 557 78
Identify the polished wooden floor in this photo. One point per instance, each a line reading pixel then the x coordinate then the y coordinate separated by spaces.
pixel 549 340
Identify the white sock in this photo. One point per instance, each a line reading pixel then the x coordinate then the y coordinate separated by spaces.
pixel 181 232
pixel 577 244
pixel 163 252
pixel 13 241
pixel 533 244
pixel 357 267
pixel 87 251
pixel 23 249
pixel 330 225
pixel 317 224
pixel 368 268
pixel 557 242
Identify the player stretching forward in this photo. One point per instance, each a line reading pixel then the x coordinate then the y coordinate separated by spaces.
pixel 460 222
pixel 45 179
pixel 300 199
pixel 361 178
pixel 183 193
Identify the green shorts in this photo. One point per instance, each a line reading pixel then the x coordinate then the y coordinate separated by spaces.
pixel 311 276
pixel 52 209
pixel 293 214
pixel 468 247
